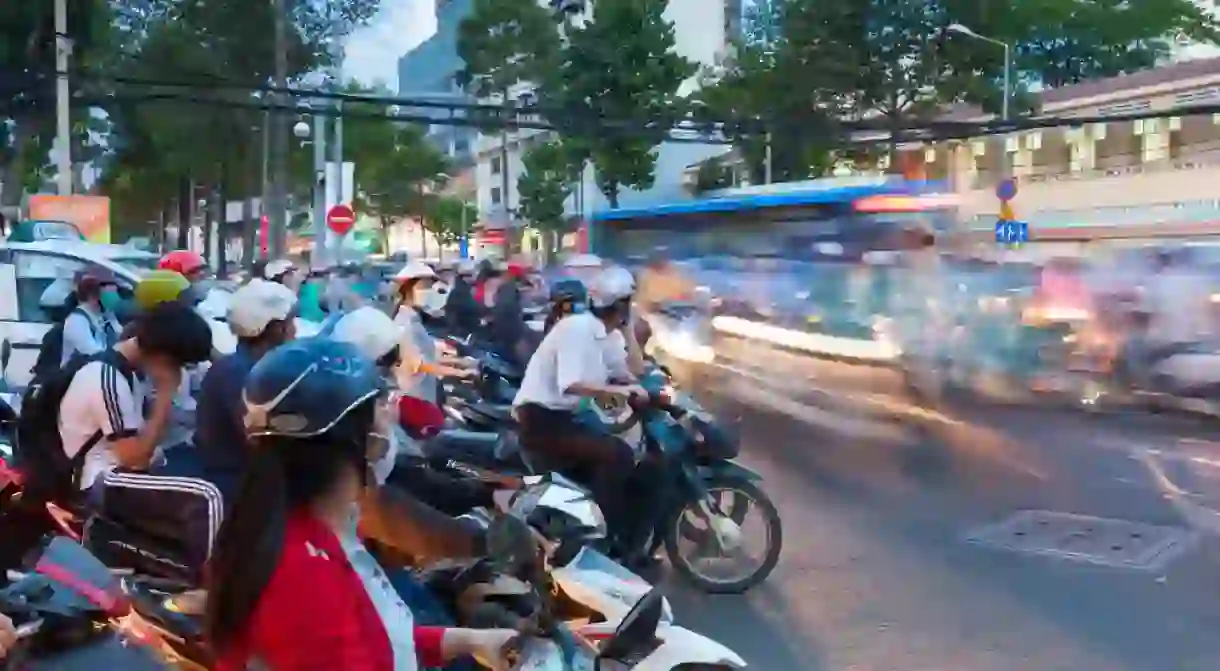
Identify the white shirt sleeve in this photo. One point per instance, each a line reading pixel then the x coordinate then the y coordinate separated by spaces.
pixel 579 357
pixel 121 414
pixel 79 336
pixel 616 355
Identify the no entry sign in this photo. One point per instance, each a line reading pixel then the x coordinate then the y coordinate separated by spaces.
pixel 341 218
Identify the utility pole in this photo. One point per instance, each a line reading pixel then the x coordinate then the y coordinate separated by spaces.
pixel 319 189
pixel 337 159
pixel 63 120
pixel 279 138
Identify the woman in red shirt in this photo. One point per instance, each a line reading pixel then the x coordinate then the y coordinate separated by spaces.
pixel 290 585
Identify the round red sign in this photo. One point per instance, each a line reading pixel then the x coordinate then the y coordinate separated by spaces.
pixel 341 218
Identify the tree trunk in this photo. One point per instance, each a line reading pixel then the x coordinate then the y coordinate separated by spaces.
pixel 222 223
pixel 13 175
pixel 185 198
pixel 249 224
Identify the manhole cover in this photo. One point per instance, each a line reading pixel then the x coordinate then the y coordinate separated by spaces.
pixel 1094 540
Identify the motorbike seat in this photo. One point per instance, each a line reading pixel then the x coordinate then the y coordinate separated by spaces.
pixel 474 446
pixel 178 615
pixel 498 412
pixel 157 526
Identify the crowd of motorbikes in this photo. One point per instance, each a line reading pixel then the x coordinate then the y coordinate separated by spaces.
pixel 107 592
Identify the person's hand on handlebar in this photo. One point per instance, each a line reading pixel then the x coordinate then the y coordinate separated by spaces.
pixel 489 646
pixel 8 636
pixel 631 392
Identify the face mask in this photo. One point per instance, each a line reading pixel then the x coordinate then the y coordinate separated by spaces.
pixel 419 295
pixel 384 451
pixel 110 300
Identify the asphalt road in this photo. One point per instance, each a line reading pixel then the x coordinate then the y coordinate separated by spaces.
pixel 893 560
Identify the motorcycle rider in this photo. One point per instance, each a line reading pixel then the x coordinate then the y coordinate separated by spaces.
pixel 661 283
pixel 190 265
pixel 421 361
pixel 290 584
pixel 572 364
pixel 568 296
pixel 261 315
pixel 464 313
pixel 102 410
pixel 506 325
pixel 8 635
pixel 92 327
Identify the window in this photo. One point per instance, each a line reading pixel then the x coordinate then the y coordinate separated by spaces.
pixel 36 272
pixel 495 195
pixel 496 166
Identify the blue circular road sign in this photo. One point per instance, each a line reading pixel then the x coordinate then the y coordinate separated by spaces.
pixel 1006 190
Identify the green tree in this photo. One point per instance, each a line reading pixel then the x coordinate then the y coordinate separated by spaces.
pixel 27 54
pixel 451 218
pixel 544 186
pixel 205 42
pixel 503 43
pixel 396 167
pixel 713 174
pixel 619 65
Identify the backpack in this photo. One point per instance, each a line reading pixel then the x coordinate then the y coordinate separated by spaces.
pixel 39 450
pixel 51 350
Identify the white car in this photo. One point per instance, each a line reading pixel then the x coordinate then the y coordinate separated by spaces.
pixel 28 268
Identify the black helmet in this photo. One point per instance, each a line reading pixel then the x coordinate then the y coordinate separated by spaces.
pixel 304 388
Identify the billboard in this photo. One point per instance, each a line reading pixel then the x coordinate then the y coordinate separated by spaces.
pixel 90 214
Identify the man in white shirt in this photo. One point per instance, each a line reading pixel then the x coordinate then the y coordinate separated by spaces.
pixel 91 327
pixel 573 363
pixel 101 412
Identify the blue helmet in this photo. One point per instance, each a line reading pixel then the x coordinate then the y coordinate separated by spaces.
pixel 306 387
pixel 570 290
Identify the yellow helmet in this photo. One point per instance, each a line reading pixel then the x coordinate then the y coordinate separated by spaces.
pixel 160 286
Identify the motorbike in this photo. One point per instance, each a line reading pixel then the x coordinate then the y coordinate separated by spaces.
pixel 694 456
pixel 72 612
pixel 515 587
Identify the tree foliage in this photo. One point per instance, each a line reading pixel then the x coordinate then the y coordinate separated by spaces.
pixel 807 66
pixel 545 184
pixel 619 65
pixel 396 168
pixel 27 82
pixel 450 218
pixel 503 43
pixel 211 46
pixel 713 174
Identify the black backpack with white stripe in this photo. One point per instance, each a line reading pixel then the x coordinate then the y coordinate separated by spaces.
pixel 49 474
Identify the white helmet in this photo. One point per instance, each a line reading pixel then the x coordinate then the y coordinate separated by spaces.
pixel 278 268
pixel 370 330
pixel 415 270
pixel 257 304
pixel 584 261
pixel 610 286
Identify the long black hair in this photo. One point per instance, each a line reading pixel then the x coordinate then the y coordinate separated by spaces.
pixel 283 475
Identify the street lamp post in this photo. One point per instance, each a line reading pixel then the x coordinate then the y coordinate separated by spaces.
pixel 1007 84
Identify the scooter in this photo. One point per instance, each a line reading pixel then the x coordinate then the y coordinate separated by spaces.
pixel 71 612
pixel 695 456
pixel 559 637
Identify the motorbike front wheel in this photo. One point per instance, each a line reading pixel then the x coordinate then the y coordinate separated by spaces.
pixel 678 529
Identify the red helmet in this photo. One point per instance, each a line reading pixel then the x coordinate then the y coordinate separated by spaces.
pixel 183 261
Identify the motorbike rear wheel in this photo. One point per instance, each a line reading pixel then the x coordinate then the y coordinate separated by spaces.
pixel 775 538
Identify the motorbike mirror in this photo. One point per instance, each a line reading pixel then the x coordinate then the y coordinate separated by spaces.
pixel 511 543
pixel 637 630
pixel 6 353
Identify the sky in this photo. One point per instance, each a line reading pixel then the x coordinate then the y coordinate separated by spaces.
pixel 372 52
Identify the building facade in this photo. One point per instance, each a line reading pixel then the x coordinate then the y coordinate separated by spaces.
pixel 1127 177
pixel 704 30
pixel 428 72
